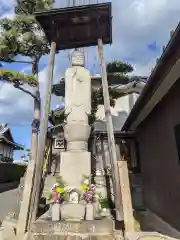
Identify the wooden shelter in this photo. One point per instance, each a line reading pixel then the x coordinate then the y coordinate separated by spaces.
pixel 76 27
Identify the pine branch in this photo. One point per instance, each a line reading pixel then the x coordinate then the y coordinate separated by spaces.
pixel 119 67
pixel 26 91
pixel 22 36
pixel 31 6
pixel 17 78
pixel 23 23
pixel 58 116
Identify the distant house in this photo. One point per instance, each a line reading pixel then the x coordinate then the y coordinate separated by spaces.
pixel 7 144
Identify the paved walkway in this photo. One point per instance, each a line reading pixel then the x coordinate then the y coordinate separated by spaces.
pixel 7 202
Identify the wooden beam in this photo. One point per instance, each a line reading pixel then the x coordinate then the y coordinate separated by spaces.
pixel 111 140
pixel 42 141
pixel 126 197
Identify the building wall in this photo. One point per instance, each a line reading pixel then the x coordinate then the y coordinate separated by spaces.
pixel 159 158
pixel 123 106
pixel 6 151
pixel 126 103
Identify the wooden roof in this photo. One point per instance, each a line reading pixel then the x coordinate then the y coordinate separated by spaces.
pixel 76 27
pixel 6 136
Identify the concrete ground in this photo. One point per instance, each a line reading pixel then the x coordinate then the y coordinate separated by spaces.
pixel 7 202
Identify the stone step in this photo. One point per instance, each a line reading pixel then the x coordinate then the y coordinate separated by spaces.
pixel 85 230
pixel 105 227
pixel 72 237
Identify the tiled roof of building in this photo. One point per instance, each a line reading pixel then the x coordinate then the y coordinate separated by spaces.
pixel 3 130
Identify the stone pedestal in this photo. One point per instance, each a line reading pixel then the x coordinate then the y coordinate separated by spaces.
pixel 105 212
pixel 55 209
pixel 97 210
pixel 72 212
pixel 73 166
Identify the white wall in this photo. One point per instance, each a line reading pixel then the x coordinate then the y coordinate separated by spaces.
pixel 126 103
pixel 121 110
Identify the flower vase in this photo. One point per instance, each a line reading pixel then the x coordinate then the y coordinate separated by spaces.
pixel 89 212
pixel 97 210
pixel 55 211
pixel 105 212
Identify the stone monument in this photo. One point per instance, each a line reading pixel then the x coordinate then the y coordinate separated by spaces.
pixel 76 161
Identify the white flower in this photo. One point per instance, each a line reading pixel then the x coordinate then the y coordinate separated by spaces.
pixel 86 182
pixel 54 186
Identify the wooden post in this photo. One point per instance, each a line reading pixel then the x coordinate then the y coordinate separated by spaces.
pixel 129 223
pixel 42 141
pixel 29 177
pixel 26 198
pixel 126 197
pixel 110 131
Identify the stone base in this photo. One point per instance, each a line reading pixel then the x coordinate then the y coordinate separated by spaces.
pixel 73 166
pixel 84 230
pixel 104 227
pixel 72 212
pixel 73 237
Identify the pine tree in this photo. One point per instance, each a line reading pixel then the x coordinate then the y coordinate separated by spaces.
pixel 22 36
pixel 117 72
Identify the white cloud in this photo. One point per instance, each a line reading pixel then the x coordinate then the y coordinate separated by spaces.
pixel 136 23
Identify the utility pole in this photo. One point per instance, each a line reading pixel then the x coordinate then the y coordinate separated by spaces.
pixel 42 139
pixel 111 140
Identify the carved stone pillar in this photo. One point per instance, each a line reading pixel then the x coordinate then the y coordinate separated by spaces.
pixel 76 161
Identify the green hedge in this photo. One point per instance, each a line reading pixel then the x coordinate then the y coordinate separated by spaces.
pixel 11 172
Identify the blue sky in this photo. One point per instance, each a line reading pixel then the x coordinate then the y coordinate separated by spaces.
pixel 140 29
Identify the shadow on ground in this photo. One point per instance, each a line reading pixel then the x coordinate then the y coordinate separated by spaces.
pixel 8 186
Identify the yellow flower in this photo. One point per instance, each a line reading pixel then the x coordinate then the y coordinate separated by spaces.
pixel 60 190
pixel 84 188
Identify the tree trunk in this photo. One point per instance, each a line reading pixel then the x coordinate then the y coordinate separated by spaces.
pixel 25 208
pixel 34 137
pixel 37 116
